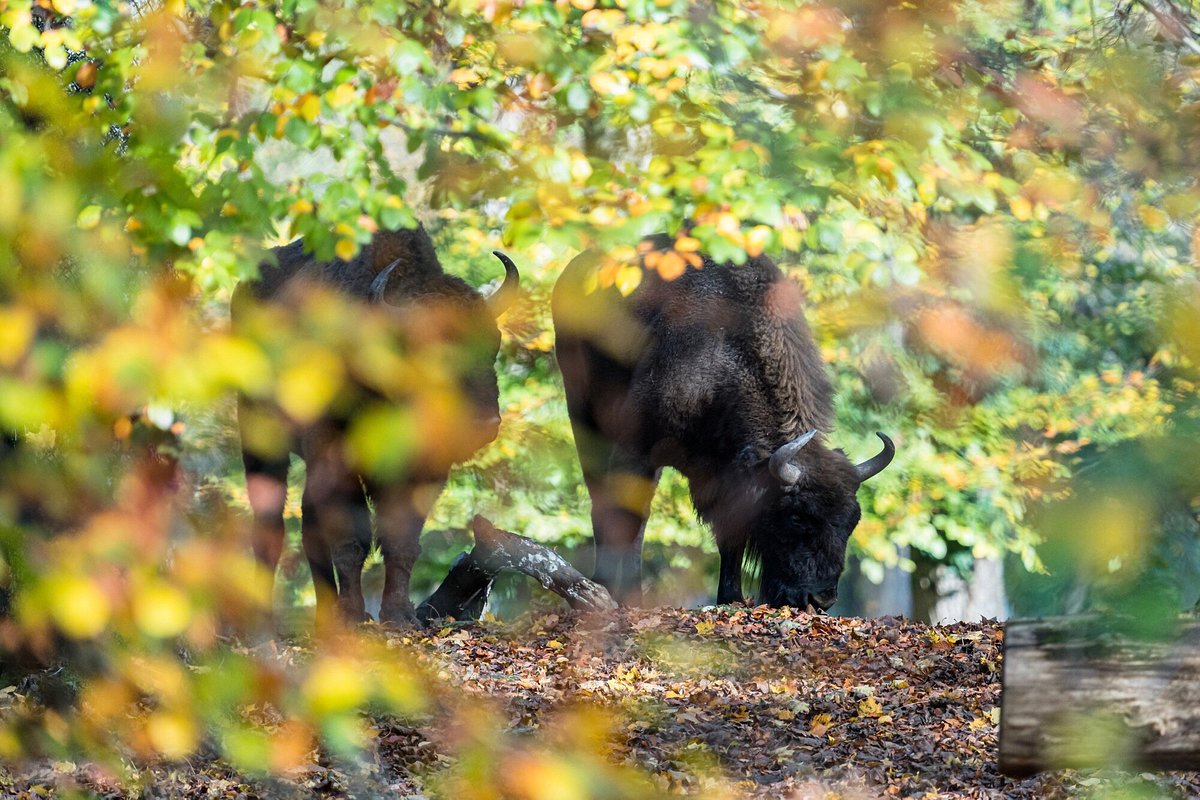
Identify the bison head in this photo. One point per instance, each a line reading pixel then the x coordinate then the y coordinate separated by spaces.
pixel 806 518
pixel 455 327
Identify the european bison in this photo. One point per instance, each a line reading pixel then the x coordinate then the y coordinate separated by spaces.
pixel 436 316
pixel 714 373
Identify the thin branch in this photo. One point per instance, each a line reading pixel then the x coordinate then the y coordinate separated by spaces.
pixel 1171 23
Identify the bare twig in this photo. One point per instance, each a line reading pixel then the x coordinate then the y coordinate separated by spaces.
pixel 1173 22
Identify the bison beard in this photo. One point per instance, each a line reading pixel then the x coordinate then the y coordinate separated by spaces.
pixel 399 271
pixel 715 374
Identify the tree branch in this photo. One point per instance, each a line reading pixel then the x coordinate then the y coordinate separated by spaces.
pixel 1172 22
pixel 465 590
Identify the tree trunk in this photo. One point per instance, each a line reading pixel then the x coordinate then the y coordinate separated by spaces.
pixel 1078 696
pixel 985 593
pixel 927 588
pixel 858 596
pixel 465 590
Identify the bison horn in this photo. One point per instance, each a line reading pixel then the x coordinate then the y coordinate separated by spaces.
pixel 499 300
pixel 876 464
pixel 380 283
pixel 781 465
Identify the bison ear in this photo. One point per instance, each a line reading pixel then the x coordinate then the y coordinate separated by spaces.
pixel 876 464
pixel 782 466
pixel 379 285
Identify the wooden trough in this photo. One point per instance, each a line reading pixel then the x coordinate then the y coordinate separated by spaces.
pixel 1078 695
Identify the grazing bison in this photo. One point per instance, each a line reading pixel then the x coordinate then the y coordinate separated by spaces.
pixel 436 316
pixel 716 374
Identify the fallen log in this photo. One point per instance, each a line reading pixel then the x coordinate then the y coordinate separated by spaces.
pixel 1078 695
pixel 465 590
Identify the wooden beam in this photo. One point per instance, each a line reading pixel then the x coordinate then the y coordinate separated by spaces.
pixel 1078 695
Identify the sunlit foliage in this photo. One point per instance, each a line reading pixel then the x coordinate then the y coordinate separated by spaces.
pixel 991 206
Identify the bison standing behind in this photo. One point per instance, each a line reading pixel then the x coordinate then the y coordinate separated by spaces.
pixel 439 368
pixel 716 374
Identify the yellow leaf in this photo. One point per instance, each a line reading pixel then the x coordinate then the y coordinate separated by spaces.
pixel 820 724
pixel 335 684
pixel 609 83
pixel 309 383
pixel 17 326
pixel 706 627
pixel 869 707
pixel 554 644
pixel 345 249
pixel 757 239
pixel 173 734
pixel 602 216
pixel 343 95
pixel 78 606
pixel 309 106
pixel 161 610
pixel 545 777
pixel 628 278
pixel 464 77
pixel 581 170
pixel 1022 209
pixel 728 226
pixel 88 218
pixel 1154 218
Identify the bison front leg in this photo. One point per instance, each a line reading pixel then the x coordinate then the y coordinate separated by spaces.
pixel 729 586
pixel 398 522
pixel 320 564
pixel 266 489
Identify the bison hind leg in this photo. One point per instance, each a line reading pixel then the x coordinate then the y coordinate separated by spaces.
pixel 620 505
pixel 336 531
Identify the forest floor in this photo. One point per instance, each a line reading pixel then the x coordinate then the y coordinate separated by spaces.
pixel 716 702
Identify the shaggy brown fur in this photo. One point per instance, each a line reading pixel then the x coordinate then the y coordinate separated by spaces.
pixel 432 310
pixel 710 373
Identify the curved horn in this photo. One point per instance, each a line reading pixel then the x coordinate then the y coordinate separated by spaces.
pixel 499 300
pixel 781 464
pixel 875 465
pixel 380 282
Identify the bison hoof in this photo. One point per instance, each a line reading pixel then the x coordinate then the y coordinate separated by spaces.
pixel 353 613
pixel 400 615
